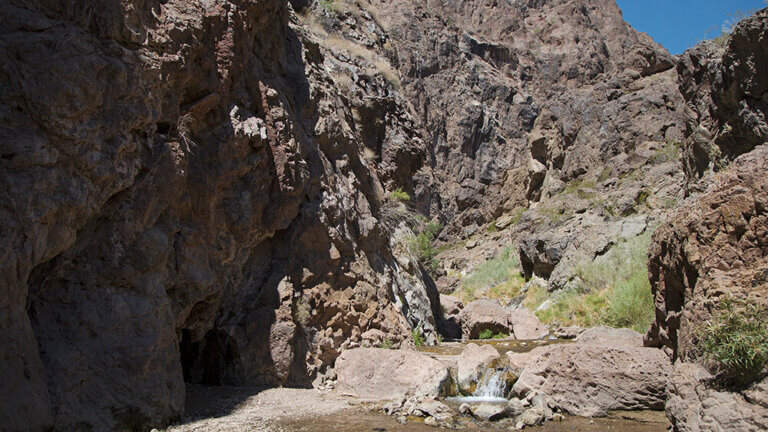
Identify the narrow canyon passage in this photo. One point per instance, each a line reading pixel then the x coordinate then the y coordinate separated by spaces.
pixel 379 214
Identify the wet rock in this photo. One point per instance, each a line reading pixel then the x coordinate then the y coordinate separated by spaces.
pixel 471 364
pixel 490 411
pixel 515 407
pixel 695 405
pixel 389 374
pixel 526 325
pixel 615 378
pixel 481 315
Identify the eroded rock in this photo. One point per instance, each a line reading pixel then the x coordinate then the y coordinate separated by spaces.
pixel 471 364
pixel 389 374
pixel 590 380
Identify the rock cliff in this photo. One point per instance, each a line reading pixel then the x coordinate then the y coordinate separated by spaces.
pixel 198 191
pixel 189 193
pixel 713 245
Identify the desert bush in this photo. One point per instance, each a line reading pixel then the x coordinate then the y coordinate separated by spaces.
pixel 423 245
pixel 418 339
pixel 386 344
pixel 733 343
pixel 499 277
pixel 488 334
pixel 614 291
pixel 399 195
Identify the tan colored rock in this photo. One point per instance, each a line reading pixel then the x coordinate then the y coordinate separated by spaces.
pixel 693 405
pixel 451 305
pixel 590 380
pixel 471 364
pixel 483 314
pixel 388 374
pixel 526 325
pixel 517 361
pixel 604 335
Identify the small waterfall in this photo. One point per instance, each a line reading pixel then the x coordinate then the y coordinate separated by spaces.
pixel 492 384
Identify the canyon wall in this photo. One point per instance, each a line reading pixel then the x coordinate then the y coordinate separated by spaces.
pixel 197 191
pixel 189 194
pixel 713 246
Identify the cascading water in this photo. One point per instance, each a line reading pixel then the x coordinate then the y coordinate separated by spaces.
pixel 491 387
pixel 492 384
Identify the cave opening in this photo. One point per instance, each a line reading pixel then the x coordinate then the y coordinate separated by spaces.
pixel 210 360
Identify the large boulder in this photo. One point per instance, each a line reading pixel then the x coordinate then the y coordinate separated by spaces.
pixel 604 335
pixel 589 380
pixel 526 325
pixel 693 405
pixel 451 305
pixel 472 361
pixel 481 315
pixel 388 374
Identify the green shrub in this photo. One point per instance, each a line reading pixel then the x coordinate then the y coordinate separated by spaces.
pixel 399 195
pixel 499 275
pixel 418 339
pixel 615 291
pixel 422 245
pixel 733 344
pixel 386 344
pixel 488 334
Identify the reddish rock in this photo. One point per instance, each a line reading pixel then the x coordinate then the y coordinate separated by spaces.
pixel 390 374
pixel 590 380
pixel 481 315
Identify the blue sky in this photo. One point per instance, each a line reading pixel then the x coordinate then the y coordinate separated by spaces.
pixel 680 24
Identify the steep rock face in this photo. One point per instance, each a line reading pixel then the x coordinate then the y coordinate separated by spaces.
pixel 188 195
pixel 525 96
pixel 725 89
pixel 714 243
pixel 713 246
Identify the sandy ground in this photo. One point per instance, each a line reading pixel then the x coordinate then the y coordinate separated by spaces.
pixel 239 409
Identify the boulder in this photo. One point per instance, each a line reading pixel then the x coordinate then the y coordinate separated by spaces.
pixel 526 325
pixel 694 405
pixel 517 361
pixel 451 305
pixel 531 417
pixel 490 411
pixel 589 380
pixel 388 374
pixel 604 335
pixel 472 361
pixel 541 253
pixel 481 315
